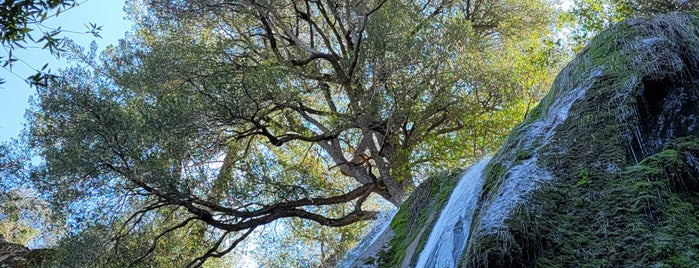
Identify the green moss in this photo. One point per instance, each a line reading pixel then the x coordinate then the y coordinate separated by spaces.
pixel 428 199
pixel 584 177
pixel 493 173
pixel 644 216
pixel 535 114
pixel 624 194
pixel 523 154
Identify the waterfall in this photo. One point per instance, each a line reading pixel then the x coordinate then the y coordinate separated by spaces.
pixel 448 236
pixel 383 220
pixel 526 176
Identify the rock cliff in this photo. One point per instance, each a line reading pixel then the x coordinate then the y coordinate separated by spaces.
pixel 603 173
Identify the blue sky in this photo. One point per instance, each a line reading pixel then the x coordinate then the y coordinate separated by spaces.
pixel 14 94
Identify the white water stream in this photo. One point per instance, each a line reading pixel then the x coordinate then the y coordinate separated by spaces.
pixel 527 176
pixel 452 230
pixel 450 233
pixel 377 229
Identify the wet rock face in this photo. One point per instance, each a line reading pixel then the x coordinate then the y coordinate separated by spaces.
pixel 667 109
pixel 448 236
pixel 623 160
pixel 401 243
pixel 604 172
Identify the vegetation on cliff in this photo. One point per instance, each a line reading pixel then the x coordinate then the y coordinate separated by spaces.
pixel 412 224
pixel 618 198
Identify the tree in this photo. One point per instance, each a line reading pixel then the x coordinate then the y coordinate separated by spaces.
pixel 233 115
pixel 22 212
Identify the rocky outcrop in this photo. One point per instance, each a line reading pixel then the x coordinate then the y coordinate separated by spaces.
pixel 603 173
pixel 615 135
pixel 401 243
pixel 17 256
pixel 12 255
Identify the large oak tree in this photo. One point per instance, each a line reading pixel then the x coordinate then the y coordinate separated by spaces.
pixel 223 116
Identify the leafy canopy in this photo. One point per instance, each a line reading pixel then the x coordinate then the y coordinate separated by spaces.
pixel 222 117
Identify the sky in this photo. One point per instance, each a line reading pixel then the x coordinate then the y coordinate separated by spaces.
pixel 15 93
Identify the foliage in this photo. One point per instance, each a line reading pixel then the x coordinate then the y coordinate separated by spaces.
pixel 222 117
pixel 21 20
pixel 20 214
pixel 17 16
pixel 23 212
pixel 590 17
pixel 99 246
pixel 305 244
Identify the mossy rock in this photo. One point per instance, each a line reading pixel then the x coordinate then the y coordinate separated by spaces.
pixel 623 159
pixel 604 172
pixel 414 220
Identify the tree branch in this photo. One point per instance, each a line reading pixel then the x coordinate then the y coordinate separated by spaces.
pixel 155 241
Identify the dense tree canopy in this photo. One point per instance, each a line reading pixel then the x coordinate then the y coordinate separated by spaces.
pixel 217 117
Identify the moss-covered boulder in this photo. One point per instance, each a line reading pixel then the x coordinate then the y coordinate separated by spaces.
pixel 603 173
pixel 400 244
pixel 612 146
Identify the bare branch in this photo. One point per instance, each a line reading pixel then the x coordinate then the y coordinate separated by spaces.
pixel 213 251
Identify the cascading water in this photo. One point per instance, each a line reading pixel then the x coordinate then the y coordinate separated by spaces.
pixel 379 227
pixel 527 175
pixel 449 234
